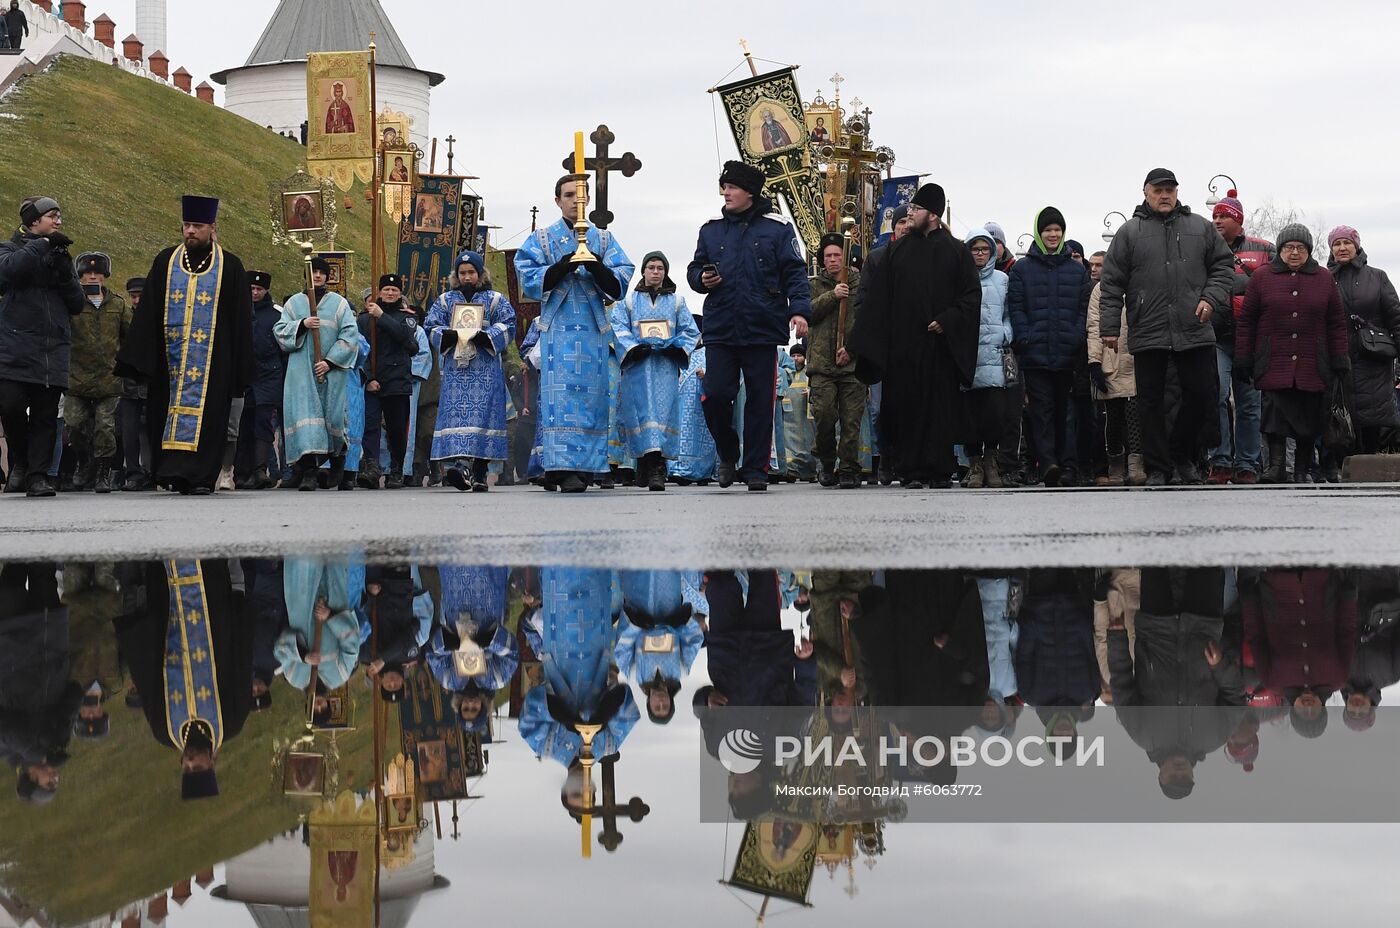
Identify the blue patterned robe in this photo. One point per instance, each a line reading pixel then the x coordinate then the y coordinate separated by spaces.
pixel 575 646
pixel 477 595
pixel 650 406
pixel 575 341
pixel 655 594
pixel 355 407
pixel 314 413
pixel 696 457
pixel 471 421
pixel 304 581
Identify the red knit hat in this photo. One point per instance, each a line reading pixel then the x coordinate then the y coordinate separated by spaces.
pixel 1230 205
pixel 1245 754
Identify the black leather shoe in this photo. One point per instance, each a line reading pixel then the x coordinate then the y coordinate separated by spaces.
pixel 201 490
pixel 572 483
pixel 310 479
pixel 827 478
pixel 456 477
pixel 849 482
pixel 479 482
pixel 757 484
pixel 394 481
pixel 725 475
pixel 40 488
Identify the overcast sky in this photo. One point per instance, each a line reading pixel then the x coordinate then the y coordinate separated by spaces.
pixel 1010 106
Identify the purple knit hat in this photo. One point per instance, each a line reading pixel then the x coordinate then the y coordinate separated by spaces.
pixel 1346 232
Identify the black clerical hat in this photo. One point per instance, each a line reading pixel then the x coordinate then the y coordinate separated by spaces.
pixel 199 209
pixel 932 198
pixel 199 784
pixel 260 279
pixel 391 280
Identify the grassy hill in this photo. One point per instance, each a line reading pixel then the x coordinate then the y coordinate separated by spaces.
pixel 118 831
pixel 118 151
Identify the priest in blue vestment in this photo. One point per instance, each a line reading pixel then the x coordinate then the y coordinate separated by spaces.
pixel 191 344
pixel 471 326
pixel 572 634
pixel 658 637
pixel 191 659
pixel 655 336
pixel 575 342
pixel 472 654
pixel 696 457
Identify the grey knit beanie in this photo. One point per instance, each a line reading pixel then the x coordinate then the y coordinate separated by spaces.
pixel 1294 232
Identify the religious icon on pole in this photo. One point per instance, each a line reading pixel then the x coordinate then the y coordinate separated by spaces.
pixel 427 213
pixel 339 141
pixel 766 117
pixel 302 210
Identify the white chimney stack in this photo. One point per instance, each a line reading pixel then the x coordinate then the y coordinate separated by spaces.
pixel 150 25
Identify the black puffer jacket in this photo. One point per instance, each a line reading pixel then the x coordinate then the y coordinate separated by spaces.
pixel 40 292
pixel 1369 295
pixel 1160 268
pixel 396 345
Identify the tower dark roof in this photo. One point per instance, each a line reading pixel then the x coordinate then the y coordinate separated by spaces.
pixel 299 27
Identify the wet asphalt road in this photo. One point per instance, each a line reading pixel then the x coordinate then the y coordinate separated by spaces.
pixel 801 526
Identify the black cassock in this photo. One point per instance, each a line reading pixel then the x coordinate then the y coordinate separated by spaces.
pixel 143 357
pixel 918 280
pixel 143 643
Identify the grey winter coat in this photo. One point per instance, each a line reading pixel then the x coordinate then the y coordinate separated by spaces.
pixel 1159 268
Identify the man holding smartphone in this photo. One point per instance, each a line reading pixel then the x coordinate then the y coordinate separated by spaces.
pixel 41 293
pixel 750 266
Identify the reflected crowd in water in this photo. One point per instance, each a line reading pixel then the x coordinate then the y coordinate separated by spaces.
pixel 326 711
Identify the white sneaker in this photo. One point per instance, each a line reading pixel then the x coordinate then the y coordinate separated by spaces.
pixel 225 481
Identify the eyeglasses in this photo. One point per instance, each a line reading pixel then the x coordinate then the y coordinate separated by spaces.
pixel 981 250
pixel 1295 246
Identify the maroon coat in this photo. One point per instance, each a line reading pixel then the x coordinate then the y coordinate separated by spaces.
pixel 1301 626
pixel 1292 328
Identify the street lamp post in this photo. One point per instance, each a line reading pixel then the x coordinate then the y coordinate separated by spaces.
pixel 1023 244
pixel 1213 198
pixel 1109 228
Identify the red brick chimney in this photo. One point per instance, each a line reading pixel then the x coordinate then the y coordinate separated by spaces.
pixel 45 5
pixel 75 13
pixel 183 80
pixel 205 92
pixel 159 65
pixel 132 48
pixel 104 29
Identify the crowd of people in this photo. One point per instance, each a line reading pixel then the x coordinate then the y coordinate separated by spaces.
pixel 1186 352
pixel 1194 662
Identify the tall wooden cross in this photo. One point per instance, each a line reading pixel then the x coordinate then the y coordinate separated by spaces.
pixel 855 156
pixel 635 809
pixel 601 165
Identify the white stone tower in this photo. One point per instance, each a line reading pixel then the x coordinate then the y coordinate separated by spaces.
pixel 150 25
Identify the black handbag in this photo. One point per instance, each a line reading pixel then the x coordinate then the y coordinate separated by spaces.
pixel 1374 343
pixel 1339 435
pixel 1010 367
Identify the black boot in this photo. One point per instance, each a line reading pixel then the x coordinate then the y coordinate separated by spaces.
pixel 310 474
pixel 103 483
pixel 479 482
pixel 1278 459
pixel 369 474
pixel 1303 461
pixel 337 474
pixel 572 482
pixel 456 476
pixel 656 471
pixel 259 479
pixel 435 474
pixel 82 477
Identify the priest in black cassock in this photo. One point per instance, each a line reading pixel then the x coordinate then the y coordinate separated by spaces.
pixel 191 657
pixel 917 334
pixel 191 342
